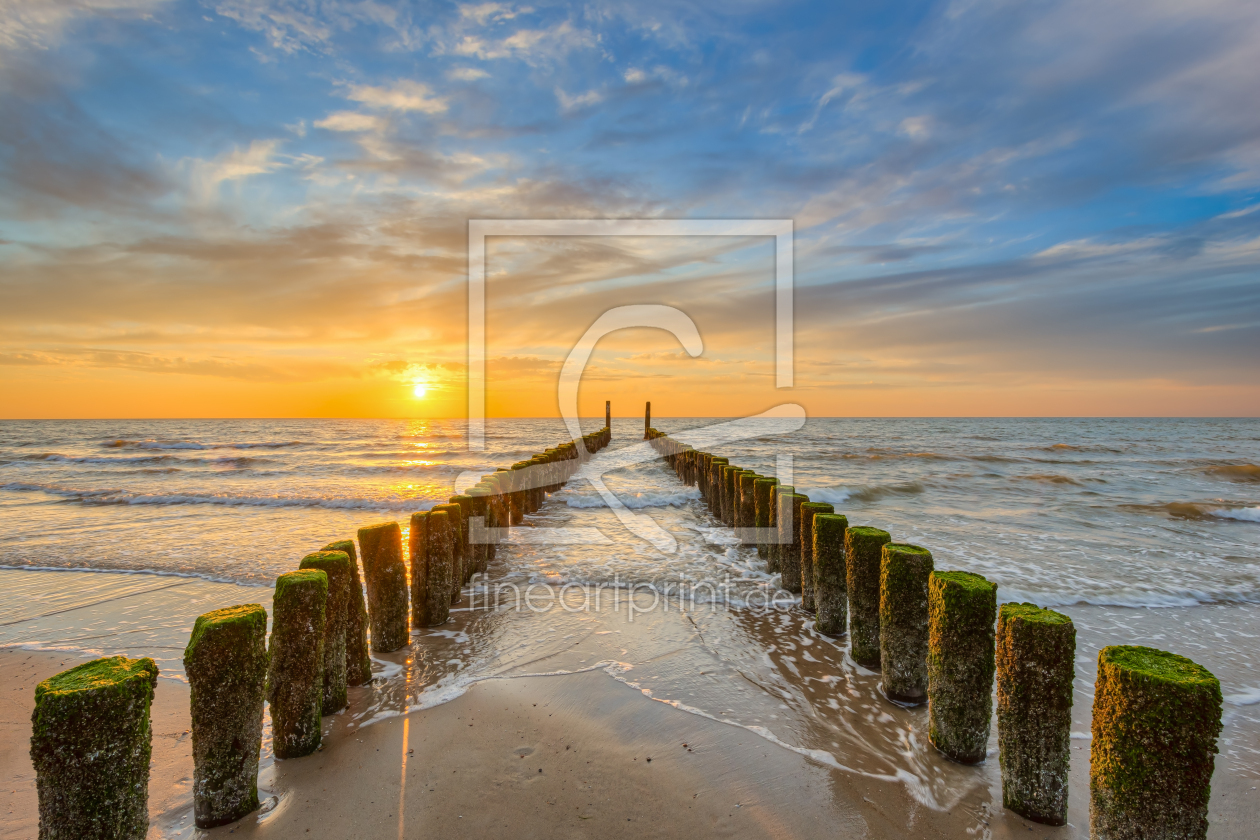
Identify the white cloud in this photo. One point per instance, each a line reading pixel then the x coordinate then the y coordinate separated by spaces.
pixel 530 45
pixel 916 128
pixel 39 23
pixel 258 159
pixel 483 13
pixel 581 100
pixel 466 74
pixel 634 75
pixel 404 95
pixel 350 121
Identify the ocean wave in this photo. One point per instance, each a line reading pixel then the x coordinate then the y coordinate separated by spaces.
pixel 1199 511
pixel 238 461
pixel 125 497
pixel 638 501
pixel 1235 472
pixel 867 493
pixel 196 445
pixel 104 570
pixel 1080 447
pixel 1049 478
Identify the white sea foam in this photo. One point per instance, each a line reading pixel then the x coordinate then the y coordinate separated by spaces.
pixel 1246 697
pixel 1251 514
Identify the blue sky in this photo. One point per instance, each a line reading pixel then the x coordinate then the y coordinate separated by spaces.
pixel 1009 208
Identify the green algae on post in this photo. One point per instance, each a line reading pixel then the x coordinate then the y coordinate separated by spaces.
pixel 358 657
pixel 744 496
pixel 762 495
pixel 91 739
pixel 386 576
pixel 295 674
pixel 438 568
pixel 335 564
pixel 831 584
pixel 1155 724
pixel 789 544
pixel 1036 656
pixel 455 515
pixel 863 552
pixel 961 610
pixel 903 621
pixel 226 663
pixel 805 533
pixel 774 563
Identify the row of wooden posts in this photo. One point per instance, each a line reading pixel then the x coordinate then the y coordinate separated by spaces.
pixel 931 634
pixel 91 736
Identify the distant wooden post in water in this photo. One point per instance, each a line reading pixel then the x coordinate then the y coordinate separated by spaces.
pixel 386 576
pixel 1155 724
pixel 903 621
pixel 647 421
pixel 295 675
pixel 91 740
pixel 607 414
pixel 226 663
pixel 1036 663
pixel 962 608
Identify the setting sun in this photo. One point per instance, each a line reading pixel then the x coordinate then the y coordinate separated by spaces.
pixel 419 390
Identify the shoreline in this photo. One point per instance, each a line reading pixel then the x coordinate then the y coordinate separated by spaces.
pixel 674 677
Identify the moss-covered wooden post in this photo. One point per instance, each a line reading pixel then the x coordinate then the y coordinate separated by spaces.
pixel 479 507
pixel 763 493
pixel 746 516
pixel 455 515
pixel 358 656
pixel 470 551
pixel 903 621
pixel 805 538
pixel 774 563
pixel 386 576
pixel 863 553
pixel 91 739
pixel 789 540
pixel 730 493
pixel 1157 716
pixel 438 553
pixel 962 608
pixel 1036 663
pixel 295 672
pixel 226 663
pixel 831 575
pixel 335 564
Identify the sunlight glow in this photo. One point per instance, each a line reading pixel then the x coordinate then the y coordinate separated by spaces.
pixel 419 390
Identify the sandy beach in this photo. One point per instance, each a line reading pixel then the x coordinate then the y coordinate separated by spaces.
pixel 576 754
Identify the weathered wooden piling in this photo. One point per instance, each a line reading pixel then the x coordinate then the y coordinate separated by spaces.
pixel 455 515
pixel 762 495
pixel 831 575
pixel 607 414
pixel 903 621
pixel 386 578
pixel 1156 719
pixel 745 506
pixel 962 608
pixel 91 739
pixel 470 551
pixel 863 550
pixel 226 664
pixel 1036 656
pixel 805 538
pixel 335 564
pixel 358 657
pixel 479 508
pixel 730 493
pixel 430 557
pixel 774 563
pixel 789 540
pixel 647 421
pixel 295 674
